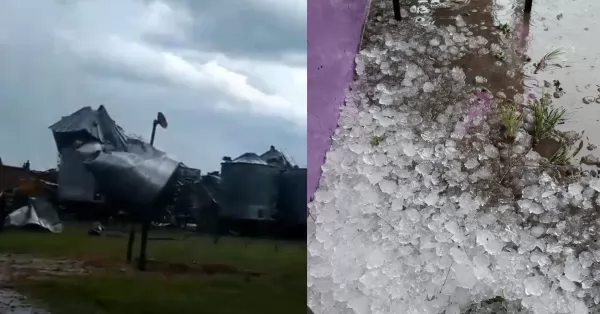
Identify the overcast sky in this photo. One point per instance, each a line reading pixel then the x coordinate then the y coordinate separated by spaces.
pixel 229 75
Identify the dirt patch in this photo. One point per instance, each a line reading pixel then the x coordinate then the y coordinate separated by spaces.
pixel 12 266
pixel 19 266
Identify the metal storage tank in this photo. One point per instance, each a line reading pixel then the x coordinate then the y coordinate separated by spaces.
pixel 75 182
pixel 292 197
pixel 249 188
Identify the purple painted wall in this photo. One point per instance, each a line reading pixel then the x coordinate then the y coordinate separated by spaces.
pixel 334 31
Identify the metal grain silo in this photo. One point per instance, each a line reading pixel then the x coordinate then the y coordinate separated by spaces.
pixel 291 206
pixel 249 188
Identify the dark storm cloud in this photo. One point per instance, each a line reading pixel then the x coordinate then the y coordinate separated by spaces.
pixel 243 29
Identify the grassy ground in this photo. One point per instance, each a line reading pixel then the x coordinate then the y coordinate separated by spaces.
pixel 280 287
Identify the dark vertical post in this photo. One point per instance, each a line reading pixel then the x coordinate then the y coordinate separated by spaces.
pixel 528 4
pixel 154 125
pixel 397 14
pixel 130 241
pixel 144 244
pixel 146 218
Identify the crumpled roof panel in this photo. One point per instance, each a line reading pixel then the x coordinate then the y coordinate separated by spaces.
pixel 97 123
pixel 277 155
pixel 249 158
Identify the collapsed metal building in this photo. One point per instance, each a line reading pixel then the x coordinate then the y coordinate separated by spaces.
pixel 95 153
pixel 100 163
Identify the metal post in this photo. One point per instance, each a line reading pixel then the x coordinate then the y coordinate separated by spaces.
pixel 146 219
pixel 397 14
pixel 144 244
pixel 528 5
pixel 130 242
pixel 154 125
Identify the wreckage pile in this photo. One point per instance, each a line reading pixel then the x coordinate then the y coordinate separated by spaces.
pixel 421 210
pixel 103 171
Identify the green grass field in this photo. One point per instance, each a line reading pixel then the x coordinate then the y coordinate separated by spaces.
pixel 280 287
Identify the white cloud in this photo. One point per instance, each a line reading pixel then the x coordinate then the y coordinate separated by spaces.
pixel 161 19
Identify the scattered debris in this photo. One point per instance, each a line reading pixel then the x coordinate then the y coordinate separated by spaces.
pixel 38 212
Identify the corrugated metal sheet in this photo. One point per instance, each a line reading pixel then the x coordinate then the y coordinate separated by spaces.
pixel 132 178
pixel 75 182
pixel 97 123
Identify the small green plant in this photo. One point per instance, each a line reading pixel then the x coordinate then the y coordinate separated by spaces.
pixel 376 140
pixel 546 117
pixel 504 28
pixel 546 59
pixel 512 119
pixel 500 56
pixel 563 157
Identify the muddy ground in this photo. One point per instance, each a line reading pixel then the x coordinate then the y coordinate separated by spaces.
pixel 13 266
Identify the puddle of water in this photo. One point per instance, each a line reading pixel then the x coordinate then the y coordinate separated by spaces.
pixel 492 68
pixel 569 26
pixel 553 24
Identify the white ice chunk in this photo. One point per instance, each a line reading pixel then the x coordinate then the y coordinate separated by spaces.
pixel 567 284
pixel 388 186
pixel 573 270
pixel 535 285
pixel 489 242
pixel 530 206
pixel 464 276
pixel 537 231
pixel 428 87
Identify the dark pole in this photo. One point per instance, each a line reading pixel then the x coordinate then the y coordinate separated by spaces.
pixel 144 244
pixel 154 125
pixel 130 241
pixel 145 217
pixel 397 14
pixel 528 5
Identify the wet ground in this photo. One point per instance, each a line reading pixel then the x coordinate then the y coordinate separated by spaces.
pixel 14 303
pixel 12 266
pixel 24 266
pixel 554 24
